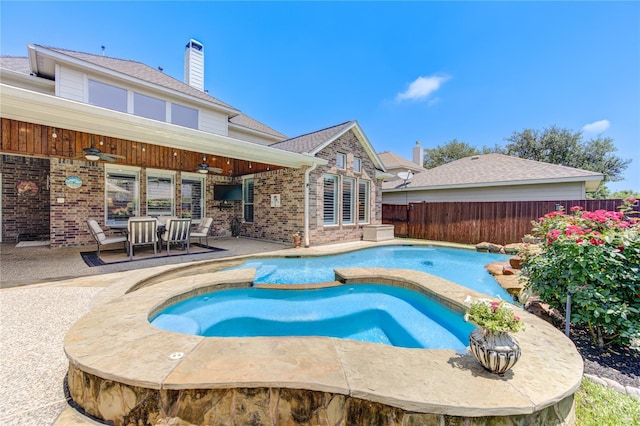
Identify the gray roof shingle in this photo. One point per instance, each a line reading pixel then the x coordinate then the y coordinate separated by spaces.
pixel 250 123
pixel 311 141
pixel 492 169
pixel 15 63
pixel 393 161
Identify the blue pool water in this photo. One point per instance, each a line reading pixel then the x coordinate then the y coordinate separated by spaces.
pixel 366 312
pixel 464 267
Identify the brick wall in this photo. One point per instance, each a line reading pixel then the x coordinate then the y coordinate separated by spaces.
pixel 24 216
pixel 350 145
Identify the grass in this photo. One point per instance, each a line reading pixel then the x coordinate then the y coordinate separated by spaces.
pixel 597 405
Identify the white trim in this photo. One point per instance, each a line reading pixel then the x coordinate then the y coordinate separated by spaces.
pixel 26 105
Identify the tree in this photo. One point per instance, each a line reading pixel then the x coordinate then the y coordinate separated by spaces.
pixel 568 148
pixel 451 151
pixel 626 193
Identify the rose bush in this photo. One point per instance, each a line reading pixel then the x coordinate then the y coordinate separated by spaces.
pixel 595 256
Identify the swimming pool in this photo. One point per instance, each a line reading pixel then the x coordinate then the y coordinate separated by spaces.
pixel 366 312
pixel 464 267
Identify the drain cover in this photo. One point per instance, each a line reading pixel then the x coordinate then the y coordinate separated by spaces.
pixel 427 263
pixel 176 355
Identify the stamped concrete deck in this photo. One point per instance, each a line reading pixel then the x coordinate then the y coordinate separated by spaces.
pixel 115 341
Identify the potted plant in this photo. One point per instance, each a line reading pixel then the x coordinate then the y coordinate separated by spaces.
pixel 491 344
pixel 297 238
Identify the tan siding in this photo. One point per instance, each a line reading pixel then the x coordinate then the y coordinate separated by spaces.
pixel 70 84
pixel 213 122
pixel 557 191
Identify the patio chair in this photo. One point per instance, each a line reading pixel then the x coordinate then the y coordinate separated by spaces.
pixel 142 231
pixel 203 230
pixel 101 238
pixel 164 219
pixel 178 231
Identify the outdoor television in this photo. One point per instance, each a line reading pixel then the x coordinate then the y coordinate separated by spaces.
pixel 227 192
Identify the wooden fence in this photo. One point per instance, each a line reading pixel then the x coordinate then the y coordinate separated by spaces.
pixel 501 222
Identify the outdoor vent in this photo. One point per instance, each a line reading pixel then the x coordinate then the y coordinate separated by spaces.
pixel 475 157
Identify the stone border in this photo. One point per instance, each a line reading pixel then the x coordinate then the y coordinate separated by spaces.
pixel 127 363
pixel 618 387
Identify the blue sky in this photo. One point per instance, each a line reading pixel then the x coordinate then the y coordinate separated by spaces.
pixel 427 71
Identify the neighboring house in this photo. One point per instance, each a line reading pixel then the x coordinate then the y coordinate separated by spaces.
pixel 396 164
pixel 170 148
pixel 492 177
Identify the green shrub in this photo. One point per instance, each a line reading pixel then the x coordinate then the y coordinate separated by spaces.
pixel 596 257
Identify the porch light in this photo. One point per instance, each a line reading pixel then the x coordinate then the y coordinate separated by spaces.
pixel 203 171
pixel 54 134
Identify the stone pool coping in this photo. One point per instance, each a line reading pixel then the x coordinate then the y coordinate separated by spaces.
pixel 115 341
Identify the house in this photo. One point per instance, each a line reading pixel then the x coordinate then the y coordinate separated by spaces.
pixel 492 177
pixel 89 136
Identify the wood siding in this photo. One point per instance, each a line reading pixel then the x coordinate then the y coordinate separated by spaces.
pixel 36 140
pixel 472 222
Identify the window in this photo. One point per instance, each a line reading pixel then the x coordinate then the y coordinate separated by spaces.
pixel 192 205
pixel 121 198
pixel 247 199
pixel 330 201
pixel 148 107
pixel 348 198
pixel 160 194
pixel 363 201
pixel 107 96
pixel 357 165
pixel 184 116
pixel 341 160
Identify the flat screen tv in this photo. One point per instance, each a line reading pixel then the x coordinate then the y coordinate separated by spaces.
pixel 227 192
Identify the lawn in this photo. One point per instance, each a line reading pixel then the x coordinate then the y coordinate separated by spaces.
pixel 597 405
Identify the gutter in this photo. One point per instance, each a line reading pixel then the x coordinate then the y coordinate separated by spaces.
pixel 306 203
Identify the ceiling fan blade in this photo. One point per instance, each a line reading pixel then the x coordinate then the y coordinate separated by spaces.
pixel 214 169
pixel 78 156
pixel 114 155
pixel 107 158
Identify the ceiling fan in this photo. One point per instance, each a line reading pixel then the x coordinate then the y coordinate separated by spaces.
pixel 94 154
pixel 204 167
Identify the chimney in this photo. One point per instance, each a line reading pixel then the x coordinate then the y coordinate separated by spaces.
pixel 418 154
pixel 194 64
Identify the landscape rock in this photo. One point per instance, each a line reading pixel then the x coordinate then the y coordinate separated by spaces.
pixel 513 248
pixel 490 247
pixel 515 262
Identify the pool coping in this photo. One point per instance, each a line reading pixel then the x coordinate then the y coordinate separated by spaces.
pixel 115 341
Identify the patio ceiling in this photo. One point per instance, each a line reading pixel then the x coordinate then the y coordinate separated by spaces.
pixel 25 105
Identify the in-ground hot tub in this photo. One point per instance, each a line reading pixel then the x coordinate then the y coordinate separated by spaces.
pixel 125 370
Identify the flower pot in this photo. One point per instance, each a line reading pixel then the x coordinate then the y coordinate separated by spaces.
pixel 497 352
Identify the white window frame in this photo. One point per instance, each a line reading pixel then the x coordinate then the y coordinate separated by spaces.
pixel 245 201
pixel 366 203
pixel 348 209
pixel 203 196
pixel 334 207
pixel 357 165
pixel 341 161
pixel 127 171
pixel 162 174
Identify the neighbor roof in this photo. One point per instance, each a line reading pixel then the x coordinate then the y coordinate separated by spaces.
pixel 393 161
pixel 493 170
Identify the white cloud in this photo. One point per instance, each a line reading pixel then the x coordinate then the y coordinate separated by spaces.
pixel 422 87
pixel 596 127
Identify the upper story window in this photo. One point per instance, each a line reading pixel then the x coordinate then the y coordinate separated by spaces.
pixel 341 160
pixel 149 107
pixel 184 116
pixel 107 96
pixel 357 165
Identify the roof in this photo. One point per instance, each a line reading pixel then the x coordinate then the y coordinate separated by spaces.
pixel 311 142
pixel 15 63
pixel 314 142
pixel 493 170
pixel 248 122
pixel 393 161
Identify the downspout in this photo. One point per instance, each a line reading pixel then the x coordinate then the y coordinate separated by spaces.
pixel 306 203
